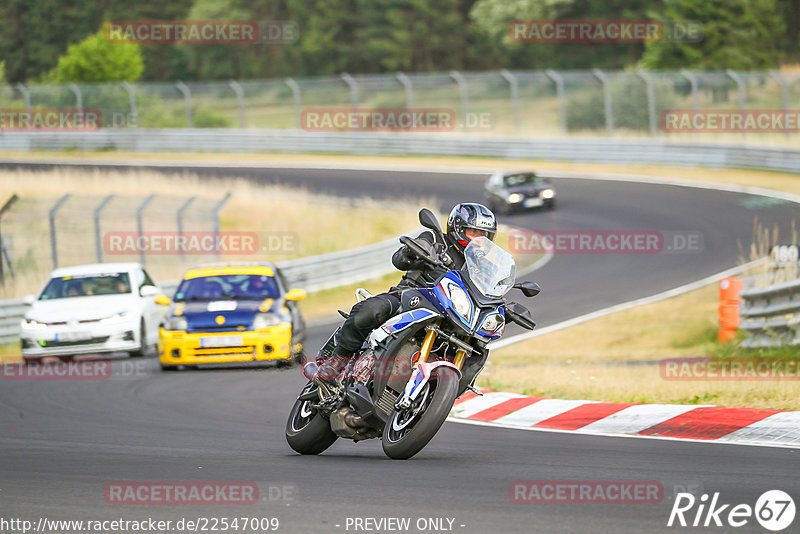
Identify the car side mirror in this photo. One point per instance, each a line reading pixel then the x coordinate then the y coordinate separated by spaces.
pixel 149 291
pixel 295 295
pixel 529 289
pixel 429 220
pixel 162 300
pixel 28 299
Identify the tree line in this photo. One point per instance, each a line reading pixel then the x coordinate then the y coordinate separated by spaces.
pixel 61 40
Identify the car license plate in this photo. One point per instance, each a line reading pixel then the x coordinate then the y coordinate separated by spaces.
pixel 72 336
pixel 532 202
pixel 220 341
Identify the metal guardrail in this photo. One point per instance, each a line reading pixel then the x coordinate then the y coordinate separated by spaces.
pixel 771 315
pixel 617 151
pixel 313 273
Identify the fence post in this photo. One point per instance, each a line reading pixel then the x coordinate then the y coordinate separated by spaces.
pixel 217 209
pixel 3 252
pixel 609 110
pixel 739 90
pixel 233 84
pixel 78 96
pixel 187 101
pixel 462 88
pixel 689 75
pixel 180 219
pixel 52 218
pixel 97 237
pixel 514 87
pixel 562 104
pixel 139 227
pixel 784 96
pixel 651 99
pixel 132 101
pixel 26 94
pixel 353 85
pixel 409 89
pixel 297 102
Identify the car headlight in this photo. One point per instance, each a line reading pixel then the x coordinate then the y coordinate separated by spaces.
pixel 513 198
pixel 548 194
pixel 265 320
pixel 461 302
pixel 27 322
pixel 116 318
pixel 177 323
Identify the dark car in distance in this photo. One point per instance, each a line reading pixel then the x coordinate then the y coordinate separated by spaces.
pixel 508 191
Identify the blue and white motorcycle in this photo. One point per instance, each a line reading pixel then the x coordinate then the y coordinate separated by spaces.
pixel 412 368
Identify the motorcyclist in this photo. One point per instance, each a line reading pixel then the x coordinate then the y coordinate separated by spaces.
pixel 466 222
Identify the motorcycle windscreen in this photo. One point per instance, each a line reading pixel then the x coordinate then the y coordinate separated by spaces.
pixel 491 269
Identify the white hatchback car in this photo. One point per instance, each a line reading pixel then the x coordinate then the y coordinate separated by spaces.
pixel 91 309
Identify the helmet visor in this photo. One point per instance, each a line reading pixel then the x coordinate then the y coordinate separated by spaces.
pixel 472 233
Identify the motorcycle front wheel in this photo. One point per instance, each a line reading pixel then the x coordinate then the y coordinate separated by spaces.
pixel 307 431
pixel 408 431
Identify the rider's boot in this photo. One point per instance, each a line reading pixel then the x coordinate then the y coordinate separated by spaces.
pixel 328 372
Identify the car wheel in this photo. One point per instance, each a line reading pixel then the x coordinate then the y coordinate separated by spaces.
pixel 142 351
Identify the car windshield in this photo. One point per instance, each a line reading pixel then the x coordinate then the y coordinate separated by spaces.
pixel 230 286
pixel 86 286
pixel 491 269
pixel 515 180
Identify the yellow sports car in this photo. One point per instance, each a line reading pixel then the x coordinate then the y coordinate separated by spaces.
pixel 228 313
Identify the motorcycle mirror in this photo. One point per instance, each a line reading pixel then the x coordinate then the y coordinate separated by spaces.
pixel 529 289
pixel 429 220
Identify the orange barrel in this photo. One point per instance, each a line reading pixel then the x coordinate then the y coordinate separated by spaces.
pixel 729 289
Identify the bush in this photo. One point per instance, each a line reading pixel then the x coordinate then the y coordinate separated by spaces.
pixel 95 59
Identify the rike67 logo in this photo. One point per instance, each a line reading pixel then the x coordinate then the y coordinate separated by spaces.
pixel 774 510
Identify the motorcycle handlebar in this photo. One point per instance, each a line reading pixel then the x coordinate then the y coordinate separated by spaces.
pixel 415 247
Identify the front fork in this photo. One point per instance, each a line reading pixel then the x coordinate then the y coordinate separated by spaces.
pixel 421 372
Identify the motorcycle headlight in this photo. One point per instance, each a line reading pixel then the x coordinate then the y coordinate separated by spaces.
pixel 493 322
pixel 548 194
pixel 513 198
pixel 177 323
pixel 265 320
pixel 461 302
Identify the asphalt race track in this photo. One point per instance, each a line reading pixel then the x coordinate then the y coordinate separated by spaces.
pixel 62 442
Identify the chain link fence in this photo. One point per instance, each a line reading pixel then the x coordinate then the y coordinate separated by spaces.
pixel 526 103
pixel 40 234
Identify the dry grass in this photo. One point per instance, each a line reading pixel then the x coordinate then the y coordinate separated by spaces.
pixel 579 362
pixel 264 209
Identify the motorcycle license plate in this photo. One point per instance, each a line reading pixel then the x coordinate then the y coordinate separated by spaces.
pixel 209 342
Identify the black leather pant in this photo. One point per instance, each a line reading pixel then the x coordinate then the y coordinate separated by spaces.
pixel 365 316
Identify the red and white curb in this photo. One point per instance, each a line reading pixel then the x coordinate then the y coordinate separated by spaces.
pixel 742 426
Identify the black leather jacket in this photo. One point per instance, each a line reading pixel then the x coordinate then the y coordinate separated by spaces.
pixel 418 272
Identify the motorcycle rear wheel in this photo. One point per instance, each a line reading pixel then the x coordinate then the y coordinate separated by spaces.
pixel 307 431
pixel 408 431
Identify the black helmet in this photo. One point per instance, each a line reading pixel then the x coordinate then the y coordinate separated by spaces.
pixel 470 215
